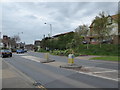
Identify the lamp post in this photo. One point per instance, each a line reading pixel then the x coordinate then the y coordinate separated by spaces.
pixel 47 59
pixel 50 29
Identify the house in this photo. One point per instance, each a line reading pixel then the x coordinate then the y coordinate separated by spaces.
pixel 29 47
pixel 62 34
pixel 21 45
pixel 1 44
pixel 113 33
pixel 5 41
pixel 37 44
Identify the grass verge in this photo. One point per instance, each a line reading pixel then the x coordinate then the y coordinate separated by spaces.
pixel 106 58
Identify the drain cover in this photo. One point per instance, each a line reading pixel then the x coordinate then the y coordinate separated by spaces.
pixel 37 84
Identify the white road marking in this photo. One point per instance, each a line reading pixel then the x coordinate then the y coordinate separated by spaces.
pixel 91 74
pixel 105 71
pixel 32 58
pixel 100 69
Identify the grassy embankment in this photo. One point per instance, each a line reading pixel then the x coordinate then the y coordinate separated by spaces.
pixel 108 51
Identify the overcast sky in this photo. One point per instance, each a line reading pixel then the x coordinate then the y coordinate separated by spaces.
pixel 29 17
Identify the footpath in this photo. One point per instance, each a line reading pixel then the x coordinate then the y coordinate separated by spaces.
pixel 12 78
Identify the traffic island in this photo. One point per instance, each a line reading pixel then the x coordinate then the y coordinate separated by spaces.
pixel 47 59
pixel 71 66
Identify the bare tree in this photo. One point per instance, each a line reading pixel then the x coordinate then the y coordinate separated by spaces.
pixel 16 38
pixel 80 33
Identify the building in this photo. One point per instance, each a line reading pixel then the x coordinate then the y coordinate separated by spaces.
pixel 92 38
pixel 29 47
pixel 62 34
pixel 21 45
pixel 37 45
pixel 5 41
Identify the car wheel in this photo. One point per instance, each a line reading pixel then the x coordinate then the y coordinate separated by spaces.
pixel 11 55
pixel 2 56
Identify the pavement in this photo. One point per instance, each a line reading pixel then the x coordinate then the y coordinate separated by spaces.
pixel 94 74
pixel 0 74
pixel 13 78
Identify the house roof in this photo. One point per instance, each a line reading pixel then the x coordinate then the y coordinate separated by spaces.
pixel 113 17
pixel 63 34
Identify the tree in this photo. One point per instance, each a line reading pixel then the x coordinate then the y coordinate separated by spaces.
pixel 13 41
pixel 16 38
pixel 101 26
pixel 80 33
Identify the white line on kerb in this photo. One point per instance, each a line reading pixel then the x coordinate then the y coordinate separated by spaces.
pixel 105 71
pixel 98 76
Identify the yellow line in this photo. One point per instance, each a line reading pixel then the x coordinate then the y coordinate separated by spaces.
pixel 42 87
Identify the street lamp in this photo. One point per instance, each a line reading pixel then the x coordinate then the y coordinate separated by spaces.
pixel 47 59
pixel 50 29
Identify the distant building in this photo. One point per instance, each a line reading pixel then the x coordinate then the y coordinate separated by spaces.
pixel 29 47
pixel 37 44
pixel 1 44
pixel 62 34
pixel 6 41
pixel 21 45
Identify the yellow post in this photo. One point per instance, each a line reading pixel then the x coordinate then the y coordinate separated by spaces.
pixel 70 59
pixel 46 56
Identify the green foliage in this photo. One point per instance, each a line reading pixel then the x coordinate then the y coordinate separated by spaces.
pixel 102 27
pixel 106 50
pixel 59 43
pixel 62 52
pixel 42 50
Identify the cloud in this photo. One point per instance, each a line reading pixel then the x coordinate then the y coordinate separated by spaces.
pixel 29 17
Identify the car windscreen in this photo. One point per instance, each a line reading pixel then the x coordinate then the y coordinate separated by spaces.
pixel 6 50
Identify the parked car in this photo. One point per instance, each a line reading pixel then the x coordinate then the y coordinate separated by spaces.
pixel 6 53
pixel 25 50
pixel 13 49
pixel 19 51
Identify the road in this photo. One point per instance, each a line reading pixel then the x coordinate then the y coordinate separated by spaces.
pixel 50 75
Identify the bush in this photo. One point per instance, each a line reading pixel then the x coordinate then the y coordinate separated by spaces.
pixel 106 50
pixel 42 50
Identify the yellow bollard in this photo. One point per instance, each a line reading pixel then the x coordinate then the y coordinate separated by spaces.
pixel 70 59
pixel 46 56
